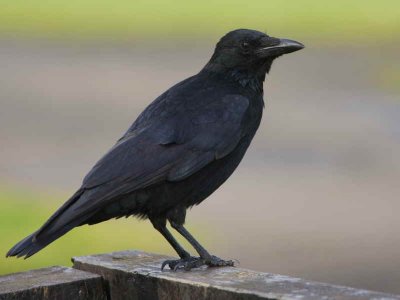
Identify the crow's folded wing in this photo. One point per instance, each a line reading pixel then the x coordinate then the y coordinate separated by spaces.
pixel 169 149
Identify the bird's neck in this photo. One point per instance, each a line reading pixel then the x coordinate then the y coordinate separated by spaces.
pixel 247 79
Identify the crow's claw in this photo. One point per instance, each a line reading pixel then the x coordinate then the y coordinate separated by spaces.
pixel 166 262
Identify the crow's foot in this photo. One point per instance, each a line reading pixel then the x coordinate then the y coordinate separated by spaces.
pixel 183 263
pixel 218 262
pixel 196 262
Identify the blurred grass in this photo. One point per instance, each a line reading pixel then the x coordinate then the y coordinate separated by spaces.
pixel 347 21
pixel 24 211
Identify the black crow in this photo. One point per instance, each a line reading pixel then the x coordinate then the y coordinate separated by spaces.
pixel 180 149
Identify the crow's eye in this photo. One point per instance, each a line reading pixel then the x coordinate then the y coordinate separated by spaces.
pixel 245 45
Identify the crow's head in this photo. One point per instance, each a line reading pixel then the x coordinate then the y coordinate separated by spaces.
pixel 249 51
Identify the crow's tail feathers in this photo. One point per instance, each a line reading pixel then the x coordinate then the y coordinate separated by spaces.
pixel 50 231
pixel 27 247
pixel 32 244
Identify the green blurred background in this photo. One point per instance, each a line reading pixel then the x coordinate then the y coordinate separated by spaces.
pixel 352 21
pixel 317 194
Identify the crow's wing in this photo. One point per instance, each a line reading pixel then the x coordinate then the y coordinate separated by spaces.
pixel 168 149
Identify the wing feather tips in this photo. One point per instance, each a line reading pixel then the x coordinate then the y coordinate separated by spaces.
pixel 190 166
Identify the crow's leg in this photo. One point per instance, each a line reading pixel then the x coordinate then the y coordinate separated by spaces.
pixel 176 217
pixel 196 245
pixel 161 226
pixel 205 257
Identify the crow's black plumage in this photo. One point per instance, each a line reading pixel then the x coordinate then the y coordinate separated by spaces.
pixel 181 148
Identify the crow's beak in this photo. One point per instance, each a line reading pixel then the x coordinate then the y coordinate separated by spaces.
pixel 289 45
pixel 283 47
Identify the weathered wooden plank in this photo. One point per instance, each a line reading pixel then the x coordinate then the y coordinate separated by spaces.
pixel 137 275
pixel 52 283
